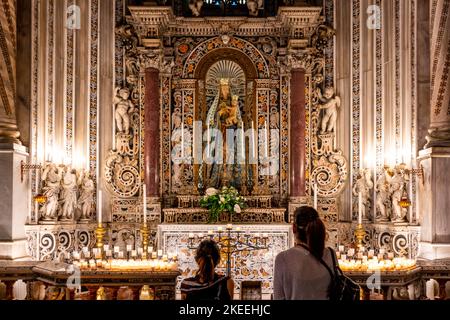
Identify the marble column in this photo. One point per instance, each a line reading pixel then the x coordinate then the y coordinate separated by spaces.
pixel 439 132
pixel 434 200
pixel 8 124
pixel 14 206
pixel 152 132
pixel 297 134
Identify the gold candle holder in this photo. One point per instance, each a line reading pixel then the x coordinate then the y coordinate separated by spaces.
pixel 360 233
pixel 145 236
pixel 100 232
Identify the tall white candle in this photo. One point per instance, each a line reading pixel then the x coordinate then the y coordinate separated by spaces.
pixel 411 198
pixel 266 138
pixel 99 207
pixel 208 150
pixel 360 204
pixel 253 141
pixel 243 142
pixel 144 202
pixel 315 195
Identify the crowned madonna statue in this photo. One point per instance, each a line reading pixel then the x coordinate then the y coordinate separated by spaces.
pixel 225 140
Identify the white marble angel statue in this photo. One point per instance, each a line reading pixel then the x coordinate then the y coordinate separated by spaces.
pixel 363 185
pixel 86 198
pixel 123 109
pixel 68 194
pixel 397 188
pixel 196 7
pixel 254 6
pixel 52 185
pixel 383 193
pixel 331 104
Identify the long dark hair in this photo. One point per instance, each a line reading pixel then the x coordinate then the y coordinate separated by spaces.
pixel 310 230
pixel 207 258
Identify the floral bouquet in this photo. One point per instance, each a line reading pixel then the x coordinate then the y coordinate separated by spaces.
pixel 225 200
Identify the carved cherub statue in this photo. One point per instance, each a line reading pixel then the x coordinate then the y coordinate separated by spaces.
pixel 331 104
pixel 51 176
pixel 123 108
pixel 196 7
pixel 364 184
pixel 397 188
pixel 383 192
pixel 69 194
pixel 254 6
pixel 87 194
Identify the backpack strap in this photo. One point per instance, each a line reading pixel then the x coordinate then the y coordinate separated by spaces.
pixel 336 267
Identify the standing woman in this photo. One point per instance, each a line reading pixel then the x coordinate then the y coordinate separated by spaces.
pixel 207 284
pixel 299 274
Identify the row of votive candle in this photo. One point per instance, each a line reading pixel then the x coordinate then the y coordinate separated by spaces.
pixel 351 260
pixel 117 253
pixel 123 265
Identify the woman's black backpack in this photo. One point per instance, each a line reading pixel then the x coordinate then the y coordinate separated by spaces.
pixel 342 288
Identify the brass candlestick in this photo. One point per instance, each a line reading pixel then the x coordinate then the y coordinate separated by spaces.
pixel 145 236
pixel 100 232
pixel 360 233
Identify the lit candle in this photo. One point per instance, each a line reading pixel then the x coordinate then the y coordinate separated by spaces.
pixel 219 229
pixel 411 197
pixel 238 229
pixel 191 236
pixel 208 147
pixel 160 253
pixel 210 232
pixel 229 226
pixel 200 235
pixel 144 204
pixel 99 207
pixel 360 204
pixel 242 142
pixel 315 195
pixel 253 141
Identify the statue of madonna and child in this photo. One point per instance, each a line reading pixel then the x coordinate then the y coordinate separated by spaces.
pixel 225 145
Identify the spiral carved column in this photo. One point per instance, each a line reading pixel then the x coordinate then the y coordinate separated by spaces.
pixel 439 133
pixel 434 202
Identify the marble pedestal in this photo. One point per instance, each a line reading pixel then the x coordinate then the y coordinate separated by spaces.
pixel 434 203
pixel 14 202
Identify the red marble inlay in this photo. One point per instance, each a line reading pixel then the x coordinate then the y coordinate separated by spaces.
pixel 151 130
pixel 297 134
